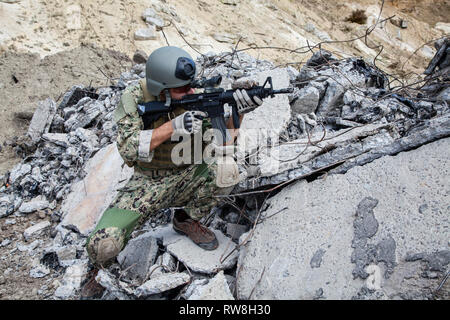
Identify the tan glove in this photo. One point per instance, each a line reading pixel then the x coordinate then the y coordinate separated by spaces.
pixel 189 122
pixel 244 103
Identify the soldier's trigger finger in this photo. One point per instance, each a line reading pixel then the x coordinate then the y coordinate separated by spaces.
pixel 247 98
pixel 199 114
pixel 241 97
pixel 258 100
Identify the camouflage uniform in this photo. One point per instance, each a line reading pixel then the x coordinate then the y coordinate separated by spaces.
pixel 150 188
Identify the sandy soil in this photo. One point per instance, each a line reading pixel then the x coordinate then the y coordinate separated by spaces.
pixel 25 79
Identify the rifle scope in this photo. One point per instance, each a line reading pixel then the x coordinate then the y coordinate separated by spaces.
pixel 206 83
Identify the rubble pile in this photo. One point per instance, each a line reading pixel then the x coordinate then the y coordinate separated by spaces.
pixel 342 114
pixel 60 142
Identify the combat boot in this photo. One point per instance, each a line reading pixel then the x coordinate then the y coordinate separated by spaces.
pixel 194 230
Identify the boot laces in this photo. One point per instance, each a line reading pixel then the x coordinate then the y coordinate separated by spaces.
pixel 199 227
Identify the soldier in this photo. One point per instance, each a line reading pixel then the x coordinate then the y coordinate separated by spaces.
pixel 157 181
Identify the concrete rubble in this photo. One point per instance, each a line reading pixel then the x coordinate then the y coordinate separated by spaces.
pixel 162 283
pixel 215 289
pixel 342 234
pixel 337 236
pixel 138 256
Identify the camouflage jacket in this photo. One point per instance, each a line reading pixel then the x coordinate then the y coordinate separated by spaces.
pixel 133 140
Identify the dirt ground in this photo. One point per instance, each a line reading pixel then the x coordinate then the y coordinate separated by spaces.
pixel 25 79
pixel 15 265
pixel 48 46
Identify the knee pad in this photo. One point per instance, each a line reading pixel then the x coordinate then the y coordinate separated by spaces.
pixel 105 244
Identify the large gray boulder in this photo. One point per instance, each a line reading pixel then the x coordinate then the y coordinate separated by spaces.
pixel 380 231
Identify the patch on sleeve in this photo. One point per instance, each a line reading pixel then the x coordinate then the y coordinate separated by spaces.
pixel 144 154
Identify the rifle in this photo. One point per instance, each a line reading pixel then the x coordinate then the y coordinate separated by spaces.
pixel 211 101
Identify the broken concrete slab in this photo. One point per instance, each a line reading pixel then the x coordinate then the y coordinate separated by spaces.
pixel 71 281
pixel 291 160
pixel 36 229
pixel 200 260
pixel 116 288
pixel 300 155
pixel 216 289
pixel 38 270
pixel 261 124
pixel 306 100
pixel 138 256
pixel 321 214
pixel 146 34
pixel 235 230
pixel 38 203
pixel 162 283
pixel 88 198
pixel 194 257
pixel 42 119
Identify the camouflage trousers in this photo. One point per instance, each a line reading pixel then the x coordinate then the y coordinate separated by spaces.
pixel 192 188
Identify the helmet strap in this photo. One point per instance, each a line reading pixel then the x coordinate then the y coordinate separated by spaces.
pixel 168 98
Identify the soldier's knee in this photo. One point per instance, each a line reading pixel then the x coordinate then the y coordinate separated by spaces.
pixel 105 244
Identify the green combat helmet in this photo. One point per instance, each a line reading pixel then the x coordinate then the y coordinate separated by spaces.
pixel 168 67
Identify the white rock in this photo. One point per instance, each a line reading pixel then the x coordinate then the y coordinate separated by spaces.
pixel 148 13
pixel 34 205
pixel 42 119
pixel 194 286
pixel 36 229
pixel 155 21
pixel 5 243
pixel 146 34
pixel 307 100
pixel 118 289
pixel 19 171
pixel 443 27
pixel 72 280
pixel 216 289
pixel 162 283
pixel 38 270
pixel 22 248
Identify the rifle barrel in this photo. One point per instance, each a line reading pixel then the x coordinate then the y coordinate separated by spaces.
pixel 286 90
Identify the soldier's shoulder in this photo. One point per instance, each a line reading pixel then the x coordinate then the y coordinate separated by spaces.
pixel 131 96
pixel 134 90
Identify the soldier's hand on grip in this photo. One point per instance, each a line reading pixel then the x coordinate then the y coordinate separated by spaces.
pixel 189 122
pixel 244 102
